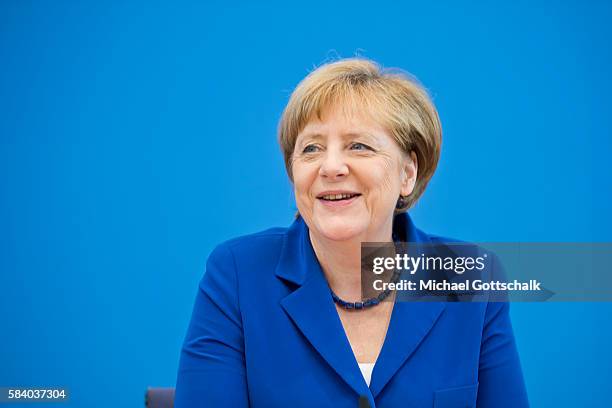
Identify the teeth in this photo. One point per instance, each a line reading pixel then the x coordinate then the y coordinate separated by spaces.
pixel 337 196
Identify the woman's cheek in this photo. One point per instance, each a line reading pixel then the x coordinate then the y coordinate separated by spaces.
pixel 389 175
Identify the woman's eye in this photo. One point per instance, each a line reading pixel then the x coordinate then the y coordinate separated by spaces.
pixel 310 149
pixel 360 146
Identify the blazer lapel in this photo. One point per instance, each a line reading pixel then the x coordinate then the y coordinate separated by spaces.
pixel 410 323
pixel 316 317
pixel 311 307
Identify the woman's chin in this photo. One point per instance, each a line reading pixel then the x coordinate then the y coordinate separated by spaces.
pixel 340 230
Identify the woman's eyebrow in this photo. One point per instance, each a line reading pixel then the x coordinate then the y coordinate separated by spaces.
pixel 308 137
pixel 311 136
pixel 357 134
pixel 348 135
pixel 371 137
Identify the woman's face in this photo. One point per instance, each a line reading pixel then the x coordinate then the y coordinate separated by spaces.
pixel 348 173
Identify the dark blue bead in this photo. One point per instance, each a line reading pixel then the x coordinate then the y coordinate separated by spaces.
pixel 359 305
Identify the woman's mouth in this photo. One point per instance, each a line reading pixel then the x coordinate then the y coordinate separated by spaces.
pixel 338 200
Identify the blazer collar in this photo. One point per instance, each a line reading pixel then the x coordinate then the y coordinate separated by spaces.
pixel 311 308
pixel 291 265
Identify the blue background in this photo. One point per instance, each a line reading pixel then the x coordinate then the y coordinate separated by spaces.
pixel 134 137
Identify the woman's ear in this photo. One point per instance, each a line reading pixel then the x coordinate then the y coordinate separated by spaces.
pixel 410 169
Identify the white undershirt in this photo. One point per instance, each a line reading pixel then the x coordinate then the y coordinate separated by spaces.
pixel 366 371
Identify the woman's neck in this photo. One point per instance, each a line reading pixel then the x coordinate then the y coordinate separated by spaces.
pixel 341 261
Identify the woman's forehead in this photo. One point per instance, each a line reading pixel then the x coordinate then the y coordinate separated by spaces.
pixel 350 115
pixel 351 107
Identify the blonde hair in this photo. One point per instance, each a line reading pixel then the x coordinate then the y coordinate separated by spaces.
pixel 394 98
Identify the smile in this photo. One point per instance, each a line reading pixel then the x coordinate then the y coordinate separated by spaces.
pixel 338 200
pixel 338 197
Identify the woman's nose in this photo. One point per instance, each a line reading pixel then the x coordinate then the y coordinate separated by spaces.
pixel 333 166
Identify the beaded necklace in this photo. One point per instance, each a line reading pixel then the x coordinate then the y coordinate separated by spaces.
pixel 367 303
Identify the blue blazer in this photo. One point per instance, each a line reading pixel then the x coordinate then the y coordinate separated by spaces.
pixel 265 333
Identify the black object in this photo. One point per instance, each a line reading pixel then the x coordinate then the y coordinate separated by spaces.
pixel 156 397
pixel 363 402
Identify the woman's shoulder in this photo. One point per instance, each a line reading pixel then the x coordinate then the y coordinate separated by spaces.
pixel 253 247
pixel 242 258
pixel 439 239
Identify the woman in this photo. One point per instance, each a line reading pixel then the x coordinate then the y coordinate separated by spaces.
pixel 277 320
